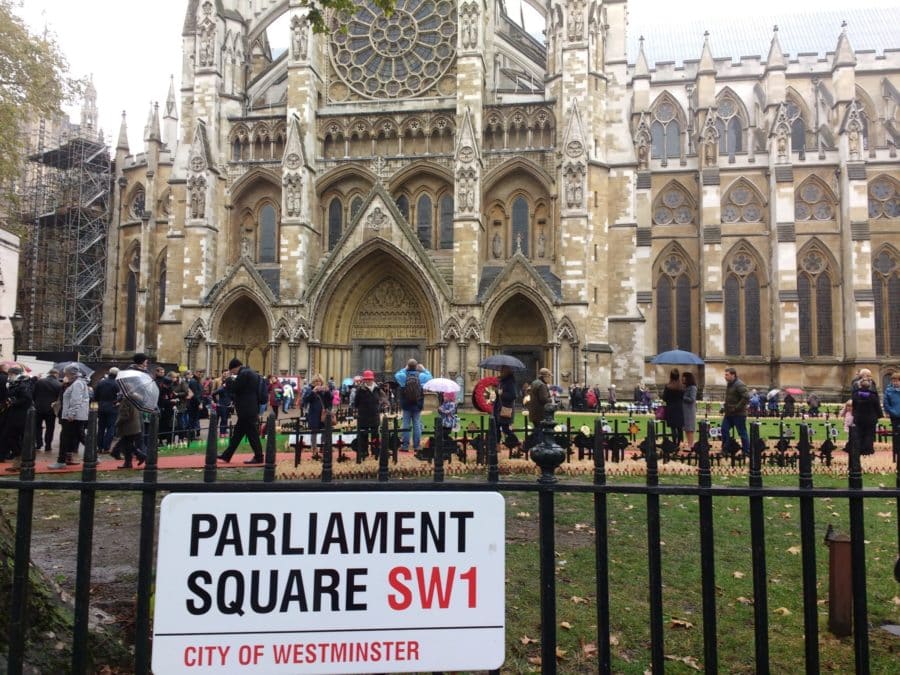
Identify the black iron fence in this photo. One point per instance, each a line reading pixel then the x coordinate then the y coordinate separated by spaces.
pixel 546 451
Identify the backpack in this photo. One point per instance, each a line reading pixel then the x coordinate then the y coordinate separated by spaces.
pixel 412 390
pixel 262 390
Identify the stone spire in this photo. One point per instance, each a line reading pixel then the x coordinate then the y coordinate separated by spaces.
pixel 151 129
pixel 707 64
pixel 843 53
pixel 122 143
pixel 89 109
pixel 775 60
pixel 170 118
pixel 641 70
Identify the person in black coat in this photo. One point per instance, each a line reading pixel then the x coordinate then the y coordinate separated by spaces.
pixel 244 385
pixel 506 398
pixel 673 396
pixel 19 399
pixel 866 413
pixel 368 402
pixel 46 392
pixel 106 394
pixel 222 399
pixel 317 400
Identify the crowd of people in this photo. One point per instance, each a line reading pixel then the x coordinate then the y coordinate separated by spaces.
pixel 65 398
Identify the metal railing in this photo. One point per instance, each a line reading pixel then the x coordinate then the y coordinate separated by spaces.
pixel 548 455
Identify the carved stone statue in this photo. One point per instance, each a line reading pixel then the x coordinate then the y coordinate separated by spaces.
pixel 541 244
pixel 709 152
pixel 245 247
pixel 197 187
pixel 853 143
pixel 299 39
pixel 497 246
pixel 574 189
pixel 292 197
pixel 207 50
pixel 642 154
pixel 781 145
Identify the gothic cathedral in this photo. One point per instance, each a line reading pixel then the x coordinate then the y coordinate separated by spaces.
pixel 441 184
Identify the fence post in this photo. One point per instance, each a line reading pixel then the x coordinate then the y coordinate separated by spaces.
pixel 271 448
pixel 654 558
pixel 85 548
pixel 758 547
pixel 808 545
pixel 548 456
pixel 840 584
pixel 327 459
pixel 212 448
pixel 145 555
pixel 601 541
pixel 707 552
pixel 18 613
pixel 858 559
pixel 384 445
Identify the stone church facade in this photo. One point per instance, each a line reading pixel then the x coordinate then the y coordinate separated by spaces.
pixel 441 184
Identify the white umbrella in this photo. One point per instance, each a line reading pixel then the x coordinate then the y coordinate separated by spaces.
pixel 442 385
pixel 139 388
pixel 773 393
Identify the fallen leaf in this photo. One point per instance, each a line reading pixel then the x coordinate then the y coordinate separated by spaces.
pixel 884 514
pixel 525 640
pixel 614 640
pixel 52 516
pixel 578 600
pixel 561 653
pixel 783 611
pixel 737 575
pixel 534 660
pixel 744 601
pixel 590 649
pixel 794 550
pixel 680 623
pixel 687 660
pixel 566 625
pixel 523 514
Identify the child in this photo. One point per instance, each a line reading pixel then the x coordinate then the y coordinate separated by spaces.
pixel 846 414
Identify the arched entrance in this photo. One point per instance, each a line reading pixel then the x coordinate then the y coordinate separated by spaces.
pixel 244 332
pixel 519 329
pixel 378 316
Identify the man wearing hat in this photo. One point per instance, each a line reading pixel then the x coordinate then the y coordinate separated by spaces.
pixel 540 397
pixel 243 385
pixel 368 406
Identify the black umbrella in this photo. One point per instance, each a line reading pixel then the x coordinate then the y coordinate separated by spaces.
pixel 498 361
pixel 139 388
pixel 83 369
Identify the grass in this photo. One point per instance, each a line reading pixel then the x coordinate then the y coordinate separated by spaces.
pixel 682 602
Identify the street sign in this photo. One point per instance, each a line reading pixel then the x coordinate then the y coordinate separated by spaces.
pixel 364 582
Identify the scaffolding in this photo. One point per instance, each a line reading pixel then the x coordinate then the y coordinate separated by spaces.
pixel 65 210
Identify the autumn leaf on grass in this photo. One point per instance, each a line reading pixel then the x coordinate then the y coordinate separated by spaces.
pixel 794 550
pixel 565 624
pixel 680 623
pixel 52 516
pixel 884 514
pixel 589 649
pixel 578 600
pixel 534 660
pixel 737 575
pixel 687 660
pixel 613 640
pixel 561 653
pixel 523 514
pixel 744 601
pixel 525 640
pixel 783 611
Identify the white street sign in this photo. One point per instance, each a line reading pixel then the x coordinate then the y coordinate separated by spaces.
pixel 364 582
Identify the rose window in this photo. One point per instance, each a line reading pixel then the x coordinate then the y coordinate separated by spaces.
pixel 884 202
pixel 398 56
pixel 673 209
pixel 813 204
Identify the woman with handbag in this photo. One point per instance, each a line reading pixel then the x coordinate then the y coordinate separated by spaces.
pixel 318 400
pixel 504 402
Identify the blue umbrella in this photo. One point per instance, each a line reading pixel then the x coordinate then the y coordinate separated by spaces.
pixel 424 376
pixel 347 382
pixel 677 357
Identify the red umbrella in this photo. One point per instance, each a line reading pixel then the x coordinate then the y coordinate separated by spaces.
pixel 10 364
pixel 794 391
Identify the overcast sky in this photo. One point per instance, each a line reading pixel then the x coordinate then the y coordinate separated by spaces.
pixel 131 48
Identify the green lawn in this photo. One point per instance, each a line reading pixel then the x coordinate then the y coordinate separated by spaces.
pixel 682 605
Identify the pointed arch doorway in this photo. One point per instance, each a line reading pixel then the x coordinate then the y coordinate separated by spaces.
pixel 378 316
pixel 243 332
pixel 520 329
